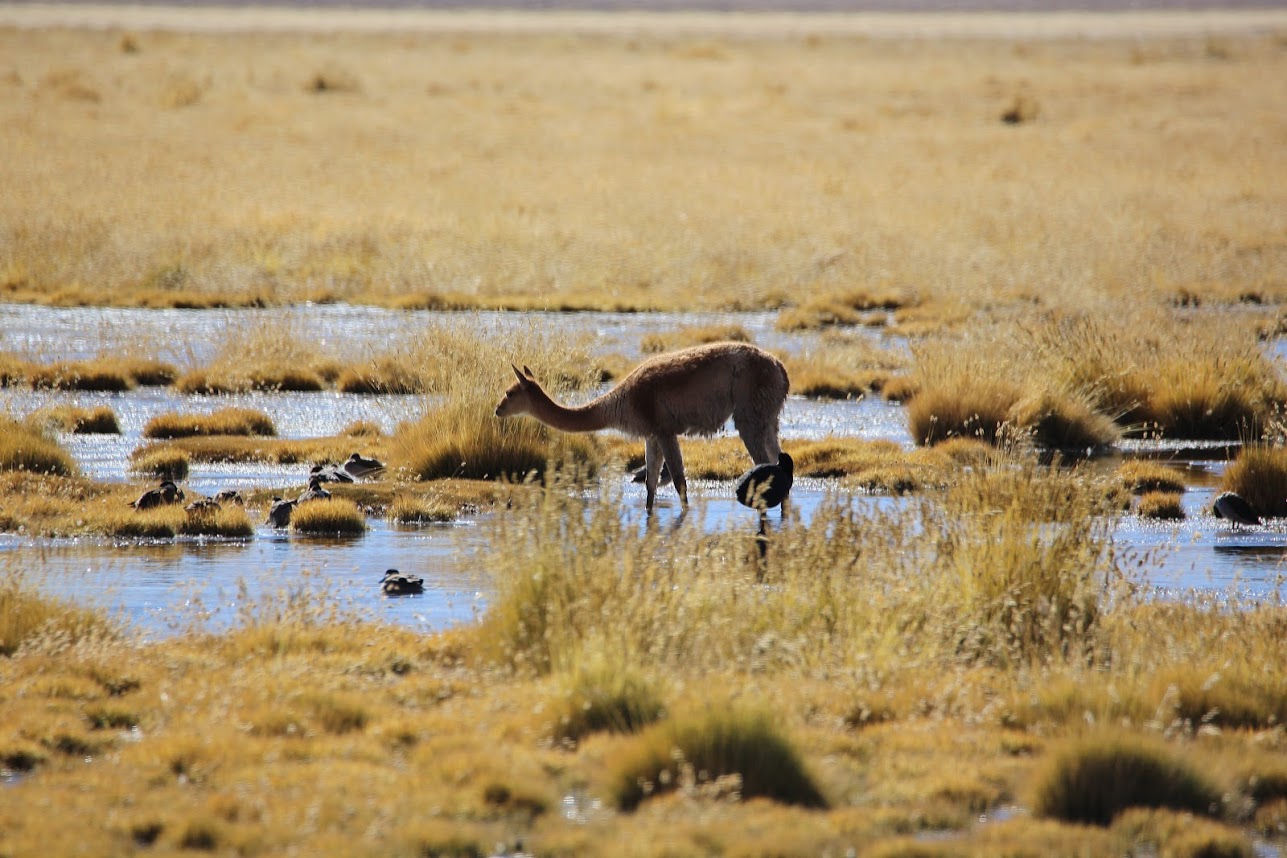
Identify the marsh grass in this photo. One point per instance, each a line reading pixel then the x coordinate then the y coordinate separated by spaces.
pixel 100 419
pixel 228 521
pixel 23 448
pixel 79 376
pixel 409 509
pixel 1161 505
pixel 162 462
pixel 329 516
pixel 695 750
pixel 224 421
pixel 1141 476
pixel 1092 780
pixel 1259 475
pixel 848 307
pixel 841 367
pixel 27 615
pixel 237 448
pixel 604 697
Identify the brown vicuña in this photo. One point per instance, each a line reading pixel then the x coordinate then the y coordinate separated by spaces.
pixel 688 392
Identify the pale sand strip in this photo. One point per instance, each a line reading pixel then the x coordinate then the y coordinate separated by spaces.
pixel 967 25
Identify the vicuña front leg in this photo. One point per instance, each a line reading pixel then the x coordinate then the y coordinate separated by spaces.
pixel 653 457
pixel 675 463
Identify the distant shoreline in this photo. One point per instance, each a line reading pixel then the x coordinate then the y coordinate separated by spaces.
pixel 750 18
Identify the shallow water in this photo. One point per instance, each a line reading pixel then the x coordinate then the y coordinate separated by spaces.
pixel 162 587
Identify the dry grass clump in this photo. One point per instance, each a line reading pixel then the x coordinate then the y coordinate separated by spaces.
pixel 1259 475
pixel 329 516
pixel 230 520
pixel 847 307
pixel 163 462
pixel 23 448
pixel 1139 476
pixel 693 335
pixel 1092 780
pixel 461 436
pixel 26 615
pixel 384 375
pixel 238 448
pixel 77 419
pixel 225 421
pixel 841 367
pixel 407 509
pixel 1163 506
pixel 602 697
pixel 79 376
pixel 1181 835
pixel 721 749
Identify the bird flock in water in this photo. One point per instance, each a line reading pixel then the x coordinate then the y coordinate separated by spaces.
pixel 761 488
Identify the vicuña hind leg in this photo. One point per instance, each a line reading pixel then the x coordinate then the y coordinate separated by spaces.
pixel 653 458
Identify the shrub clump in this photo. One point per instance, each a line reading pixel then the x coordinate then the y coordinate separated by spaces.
pixel 225 421
pixel 697 750
pixel 1094 779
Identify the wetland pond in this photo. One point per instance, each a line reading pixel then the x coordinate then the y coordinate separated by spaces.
pixel 163 587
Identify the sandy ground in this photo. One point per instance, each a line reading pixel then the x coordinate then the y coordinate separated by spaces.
pixel 1038 22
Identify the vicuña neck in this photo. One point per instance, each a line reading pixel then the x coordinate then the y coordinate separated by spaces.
pixel 590 417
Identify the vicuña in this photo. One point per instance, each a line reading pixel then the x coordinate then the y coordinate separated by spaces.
pixel 689 392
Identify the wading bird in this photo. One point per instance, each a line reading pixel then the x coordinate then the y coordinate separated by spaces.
pixel 766 486
pixel 1233 507
pixel 689 392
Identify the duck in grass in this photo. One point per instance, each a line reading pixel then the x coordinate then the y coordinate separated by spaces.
pixel 314 491
pixel 330 474
pixel 395 583
pixel 166 493
pixel 359 466
pixel 1234 508
pixel 280 512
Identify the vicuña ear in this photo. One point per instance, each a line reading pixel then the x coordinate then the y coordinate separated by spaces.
pixel 517 373
pixel 527 372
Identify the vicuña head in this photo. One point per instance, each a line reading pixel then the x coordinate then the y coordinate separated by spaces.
pixel 689 392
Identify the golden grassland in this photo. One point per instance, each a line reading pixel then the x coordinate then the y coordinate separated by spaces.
pixel 864 682
pixel 1151 169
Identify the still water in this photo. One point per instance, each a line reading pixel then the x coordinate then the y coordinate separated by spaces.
pixel 165 587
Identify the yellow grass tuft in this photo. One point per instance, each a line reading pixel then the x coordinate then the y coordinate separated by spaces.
pixel 329 516
pixel 26 615
pixel 79 420
pixel 1140 476
pixel 727 749
pixel 24 449
pixel 225 421
pixel 1160 505
pixel 162 462
pixel 1259 475
pixel 406 509
pixel 230 520
pixel 600 696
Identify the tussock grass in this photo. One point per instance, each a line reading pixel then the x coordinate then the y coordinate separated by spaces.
pixel 604 697
pixel 846 307
pixel 23 448
pixel 1259 475
pixel 1092 780
pixel 237 448
pixel 383 375
pixel 26 615
pixel 407 509
pixel 746 748
pixel 162 462
pixel 1140 476
pixel 225 421
pixel 79 376
pixel 461 436
pixel 1160 505
pixel 330 516
pixel 230 521
pixel 841 367
pixel 100 420
pixel 1182 835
